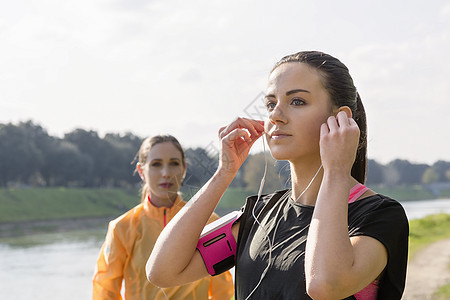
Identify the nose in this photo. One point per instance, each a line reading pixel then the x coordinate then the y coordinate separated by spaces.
pixel 277 115
pixel 166 171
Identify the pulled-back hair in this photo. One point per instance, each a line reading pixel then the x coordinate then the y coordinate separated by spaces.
pixel 336 80
pixel 145 148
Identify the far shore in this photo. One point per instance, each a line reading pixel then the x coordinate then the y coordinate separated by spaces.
pixel 22 228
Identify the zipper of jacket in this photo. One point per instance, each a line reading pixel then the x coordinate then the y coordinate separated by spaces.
pixel 165 222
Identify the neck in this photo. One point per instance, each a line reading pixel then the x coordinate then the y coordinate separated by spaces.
pixel 163 202
pixel 302 174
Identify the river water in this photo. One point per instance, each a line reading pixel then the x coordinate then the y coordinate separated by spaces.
pixel 60 265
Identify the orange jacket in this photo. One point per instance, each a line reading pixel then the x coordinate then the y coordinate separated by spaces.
pixel 123 256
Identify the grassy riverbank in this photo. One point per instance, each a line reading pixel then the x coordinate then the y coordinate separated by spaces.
pixel 33 204
pixel 428 230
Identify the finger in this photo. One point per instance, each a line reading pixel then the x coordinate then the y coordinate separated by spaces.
pixel 227 129
pixel 332 124
pixel 239 134
pixel 220 130
pixel 252 126
pixel 254 140
pixel 342 119
pixel 260 126
pixel 324 130
pixel 354 126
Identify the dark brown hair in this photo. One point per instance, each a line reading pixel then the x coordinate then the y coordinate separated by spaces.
pixel 339 84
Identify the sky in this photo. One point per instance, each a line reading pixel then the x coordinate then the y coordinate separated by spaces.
pixel 189 67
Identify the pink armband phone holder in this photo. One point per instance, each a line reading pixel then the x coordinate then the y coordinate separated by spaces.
pixel 217 244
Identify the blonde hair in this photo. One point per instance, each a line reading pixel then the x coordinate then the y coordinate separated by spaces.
pixel 145 148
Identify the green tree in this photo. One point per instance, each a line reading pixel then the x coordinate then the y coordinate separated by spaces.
pixel 441 167
pixel 254 172
pixel 430 176
pixel 20 158
pixel 375 172
pixel 68 166
pixel 403 172
pixel 121 159
pixel 447 175
pixel 90 144
pixel 201 165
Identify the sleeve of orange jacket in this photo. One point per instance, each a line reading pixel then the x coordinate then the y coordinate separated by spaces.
pixel 108 274
pixel 221 287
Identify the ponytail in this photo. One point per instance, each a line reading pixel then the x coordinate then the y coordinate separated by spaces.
pixel 359 168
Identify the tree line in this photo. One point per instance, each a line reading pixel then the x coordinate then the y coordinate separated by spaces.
pixel 29 156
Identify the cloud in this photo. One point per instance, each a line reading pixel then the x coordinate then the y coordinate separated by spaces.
pixel 191 75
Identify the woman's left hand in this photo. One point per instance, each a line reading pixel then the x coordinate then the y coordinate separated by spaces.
pixel 339 138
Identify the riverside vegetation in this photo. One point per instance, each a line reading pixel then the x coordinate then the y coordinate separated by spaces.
pixel 34 204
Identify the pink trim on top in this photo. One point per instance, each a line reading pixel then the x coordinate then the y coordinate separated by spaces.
pixel 356 192
pixel 369 292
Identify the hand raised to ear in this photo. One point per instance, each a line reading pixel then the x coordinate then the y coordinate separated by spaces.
pixel 339 138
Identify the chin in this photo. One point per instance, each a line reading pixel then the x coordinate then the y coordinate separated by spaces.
pixel 280 154
pixel 166 195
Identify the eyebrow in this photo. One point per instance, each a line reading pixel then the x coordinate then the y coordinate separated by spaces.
pixel 297 91
pixel 170 159
pixel 290 93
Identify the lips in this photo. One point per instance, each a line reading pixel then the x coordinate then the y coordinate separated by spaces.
pixel 166 185
pixel 278 134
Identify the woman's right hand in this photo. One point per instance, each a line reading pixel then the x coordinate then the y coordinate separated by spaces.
pixel 236 140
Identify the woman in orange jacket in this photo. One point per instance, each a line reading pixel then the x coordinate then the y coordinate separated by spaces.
pixel 124 253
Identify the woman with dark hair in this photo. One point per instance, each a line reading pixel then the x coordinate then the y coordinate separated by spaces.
pixel 122 258
pixel 328 237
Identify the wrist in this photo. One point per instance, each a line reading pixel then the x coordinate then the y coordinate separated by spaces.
pixel 225 169
pixel 337 176
pixel 225 173
pixel 337 171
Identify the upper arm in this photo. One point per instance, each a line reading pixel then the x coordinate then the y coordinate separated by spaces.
pixel 196 268
pixel 370 259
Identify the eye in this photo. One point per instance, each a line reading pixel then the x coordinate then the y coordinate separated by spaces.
pixel 156 164
pixel 270 105
pixel 298 102
pixel 174 163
